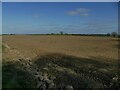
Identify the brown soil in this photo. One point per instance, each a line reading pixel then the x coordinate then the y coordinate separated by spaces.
pixel 59 61
pixel 104 48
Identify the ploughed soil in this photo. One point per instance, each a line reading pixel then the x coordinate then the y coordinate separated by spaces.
pixel 60 62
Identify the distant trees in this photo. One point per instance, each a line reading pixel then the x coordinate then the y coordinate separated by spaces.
pixel 11 34
pixel 108 34
pixel 61 32
pixel 114 34
pixel 52 33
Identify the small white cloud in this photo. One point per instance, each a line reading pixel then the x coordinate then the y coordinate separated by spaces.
pixel 84 14
pixel 80 11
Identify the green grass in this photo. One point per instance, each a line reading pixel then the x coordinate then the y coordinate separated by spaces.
pixel 14 77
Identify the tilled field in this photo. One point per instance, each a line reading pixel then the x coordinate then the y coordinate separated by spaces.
pixel 80 46
pixel 52 62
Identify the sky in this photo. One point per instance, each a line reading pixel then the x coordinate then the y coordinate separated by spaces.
pixel 0 18
pixel 53 17
pixel 60 0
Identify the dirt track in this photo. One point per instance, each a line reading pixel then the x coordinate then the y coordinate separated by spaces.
pixel 80 46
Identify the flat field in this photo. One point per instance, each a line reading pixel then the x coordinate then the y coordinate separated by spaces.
pixel 80 46
pixel 72 61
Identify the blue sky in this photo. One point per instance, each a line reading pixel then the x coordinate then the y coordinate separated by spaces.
pixel 0 18
pixel 60 0
pixel 50 17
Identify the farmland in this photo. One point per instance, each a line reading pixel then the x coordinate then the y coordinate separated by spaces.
pixel 51 61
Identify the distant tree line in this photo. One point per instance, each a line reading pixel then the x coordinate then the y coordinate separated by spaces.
pixel 113 34
pixel 60 33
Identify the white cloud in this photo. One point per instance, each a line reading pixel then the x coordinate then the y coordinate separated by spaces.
pixel 79 11
pixel 84 14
